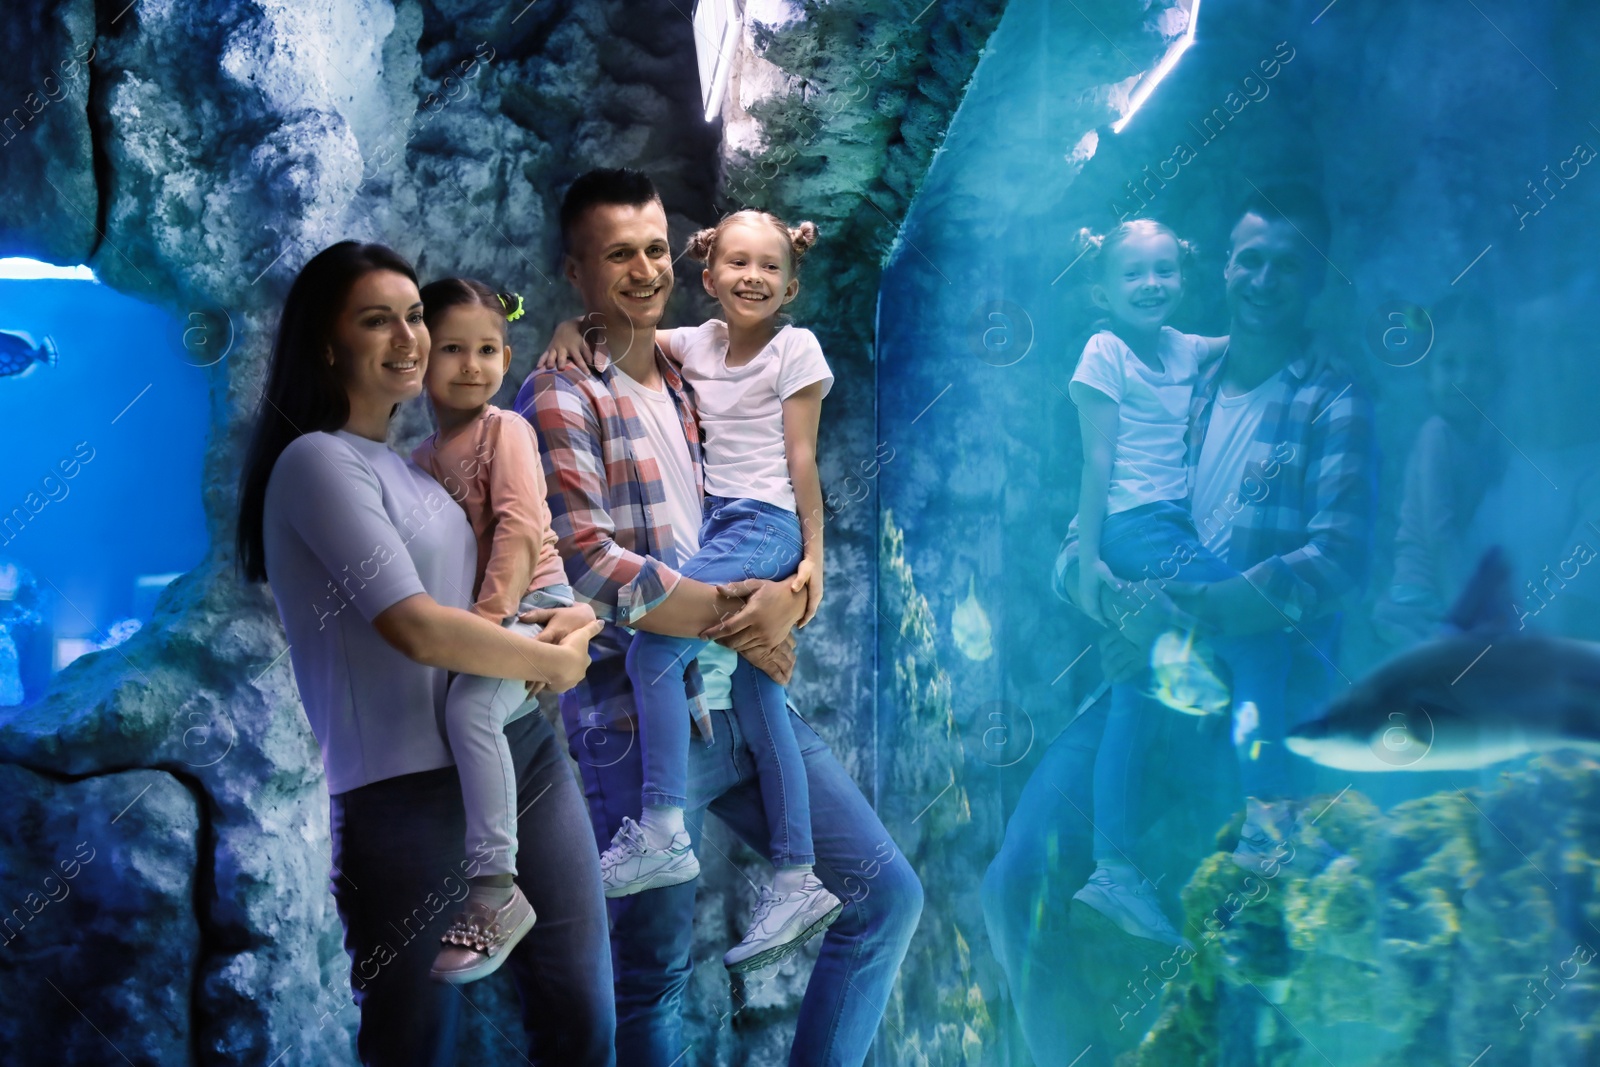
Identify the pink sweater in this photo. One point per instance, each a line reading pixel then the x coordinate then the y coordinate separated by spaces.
pixel 491 468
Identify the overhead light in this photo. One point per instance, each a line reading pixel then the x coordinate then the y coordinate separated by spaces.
pixel 1168 61
pixel 19 268
pixel 716 37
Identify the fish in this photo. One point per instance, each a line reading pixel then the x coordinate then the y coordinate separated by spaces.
pixel 969 626
pixel 1481 692
pixel 1189 679
pixel 19 354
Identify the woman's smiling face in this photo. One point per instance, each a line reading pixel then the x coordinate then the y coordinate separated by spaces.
pixel 379 342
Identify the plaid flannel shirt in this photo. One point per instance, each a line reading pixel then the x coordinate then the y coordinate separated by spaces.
pixel 1303 536
pixel 608 508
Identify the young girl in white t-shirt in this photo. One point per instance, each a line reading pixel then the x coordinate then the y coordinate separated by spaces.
pixel 758 384
pixel 1133 386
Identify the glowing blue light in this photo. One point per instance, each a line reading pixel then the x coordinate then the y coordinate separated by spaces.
pixel 18 268
pixel 1168 61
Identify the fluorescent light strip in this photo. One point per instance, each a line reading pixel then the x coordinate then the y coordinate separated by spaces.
pixel 1168 61
pixel 722 64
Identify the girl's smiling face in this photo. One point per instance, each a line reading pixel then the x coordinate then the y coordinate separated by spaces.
pixel 469 357
pixel 380 339
pixel 749 273
pixel 1141 281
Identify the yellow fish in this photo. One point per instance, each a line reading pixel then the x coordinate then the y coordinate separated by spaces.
pixel 970 626
pixel 1184 681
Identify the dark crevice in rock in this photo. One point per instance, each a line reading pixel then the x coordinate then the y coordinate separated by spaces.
pixel 205 890
pixel 99 130
pixel 213 940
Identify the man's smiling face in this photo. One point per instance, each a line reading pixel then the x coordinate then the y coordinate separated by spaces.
pixel 1272 275
pixel 621 263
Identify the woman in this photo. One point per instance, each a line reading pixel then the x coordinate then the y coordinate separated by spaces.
pixel 371 565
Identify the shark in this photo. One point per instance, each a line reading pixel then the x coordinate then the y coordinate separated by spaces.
pixel 1482 691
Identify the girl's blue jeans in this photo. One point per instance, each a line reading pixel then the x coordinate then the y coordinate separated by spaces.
pixel 1156 541
pixel 740 539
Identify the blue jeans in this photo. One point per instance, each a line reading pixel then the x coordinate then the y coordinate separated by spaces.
pixel 652 932
pixel 740 539
pixel 476 711
pixel 399 877
pixel 1157 541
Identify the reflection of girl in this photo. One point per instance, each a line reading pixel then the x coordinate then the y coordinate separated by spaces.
pixel 1457 455
pixel 1133 387
pixel 371 565
pixel 758 385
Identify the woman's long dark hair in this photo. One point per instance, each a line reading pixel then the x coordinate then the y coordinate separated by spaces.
pixel 303 392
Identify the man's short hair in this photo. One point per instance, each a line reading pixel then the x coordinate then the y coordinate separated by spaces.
pixel 603 185
pixel 1298 204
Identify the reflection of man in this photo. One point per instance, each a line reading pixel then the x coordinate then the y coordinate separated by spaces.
pixel 1282 475
pixel 622 458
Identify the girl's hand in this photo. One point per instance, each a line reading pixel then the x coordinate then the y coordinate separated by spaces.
pixel 809 578
pixel 573 662
pixel 567 345
pixel 1092 574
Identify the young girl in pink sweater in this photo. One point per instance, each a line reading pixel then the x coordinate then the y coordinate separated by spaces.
pixel 488 460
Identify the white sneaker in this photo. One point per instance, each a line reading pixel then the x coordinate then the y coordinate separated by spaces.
pixel 1133 908
pixel 631 866
pixel 781 924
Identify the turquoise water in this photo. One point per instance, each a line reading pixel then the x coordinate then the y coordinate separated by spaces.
pixel 1439 914
pixel 100 491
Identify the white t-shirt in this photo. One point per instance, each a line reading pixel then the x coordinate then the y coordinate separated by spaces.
pixel 684 510
pixel 351 528
pixel 741 408
pixel 1152 410
pixel 665 431
pixel 1219 473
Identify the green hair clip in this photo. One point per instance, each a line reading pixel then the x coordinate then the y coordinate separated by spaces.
pixel 514 315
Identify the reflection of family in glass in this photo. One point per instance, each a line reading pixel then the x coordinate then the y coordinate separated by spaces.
pixel 1226 520
pixel 642 535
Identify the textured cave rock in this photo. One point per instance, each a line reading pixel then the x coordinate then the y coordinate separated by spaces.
pixel 98 880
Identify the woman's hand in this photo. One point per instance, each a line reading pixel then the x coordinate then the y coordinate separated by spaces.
pixel 809 578
pixel 1092 574
pixel 567 345
pixel 573 660
pixel 558 622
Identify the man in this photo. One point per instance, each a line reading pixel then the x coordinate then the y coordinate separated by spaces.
pixel 622 457
pixel 1282 484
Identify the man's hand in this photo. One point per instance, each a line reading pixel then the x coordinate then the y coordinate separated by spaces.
pixel 558 622
pixel 777 663
pixel 569 344
pixel 1121 661
pixel 771 610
